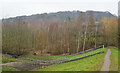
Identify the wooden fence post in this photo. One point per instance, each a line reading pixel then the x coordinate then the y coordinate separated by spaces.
pixel 103 48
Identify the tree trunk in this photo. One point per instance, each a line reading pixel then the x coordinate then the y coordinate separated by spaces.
pixel 85 37
pixel 78 46
pixel 68 48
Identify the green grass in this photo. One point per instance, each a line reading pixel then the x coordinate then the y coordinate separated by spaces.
pixel 60 56
pixel 93 63
pixel 86 54
pixel 119 61
pixel 114 59
pixel 46 57
pixel 6 68
pixel 8 59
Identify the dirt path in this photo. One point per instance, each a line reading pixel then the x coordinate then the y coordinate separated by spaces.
pixel 106 64
pixel 22 66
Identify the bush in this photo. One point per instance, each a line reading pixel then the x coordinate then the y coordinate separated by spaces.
pixel 34 53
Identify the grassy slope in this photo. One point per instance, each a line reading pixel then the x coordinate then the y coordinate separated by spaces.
pixel 58 56
pixel 45 57
pixel 93 63
pixel 6 68
pixel 119 61
pixel 90 63
pixel 86 54
pixel 8 59
pixel 114 59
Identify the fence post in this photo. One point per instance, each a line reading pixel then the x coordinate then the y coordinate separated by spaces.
pixel 103 48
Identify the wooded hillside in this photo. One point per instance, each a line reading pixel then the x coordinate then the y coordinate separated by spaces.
pixel 53 36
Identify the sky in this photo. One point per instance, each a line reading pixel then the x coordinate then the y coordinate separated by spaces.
pixel 13 8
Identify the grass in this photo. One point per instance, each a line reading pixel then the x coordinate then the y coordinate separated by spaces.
pixel 8 59
pixel 60 56
pixel 86 54
pixel 6 68
pixel 93 63
pixel 119 61
pixel 114 59
pixel 45 57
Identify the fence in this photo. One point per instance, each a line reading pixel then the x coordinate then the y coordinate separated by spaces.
pixel 69 58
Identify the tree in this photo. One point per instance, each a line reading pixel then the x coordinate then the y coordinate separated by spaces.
pixel 110 31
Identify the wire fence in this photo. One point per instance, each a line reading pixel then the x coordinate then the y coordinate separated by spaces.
pixel 81 53
pixel 69 58
pixel 73 56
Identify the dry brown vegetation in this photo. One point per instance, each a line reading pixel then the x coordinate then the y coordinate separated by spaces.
pixel 56 37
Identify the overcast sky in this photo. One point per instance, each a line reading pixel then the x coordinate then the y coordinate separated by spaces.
pixel 12 8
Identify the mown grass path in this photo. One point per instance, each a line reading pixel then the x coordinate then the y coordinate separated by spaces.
pixel 107 61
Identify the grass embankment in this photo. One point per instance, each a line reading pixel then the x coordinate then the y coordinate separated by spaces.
pixel 6 68
pixel 9 59
pixel 50 57
pixel 93 63
pixel 114 59
pixel 45 57
pixel 86 54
